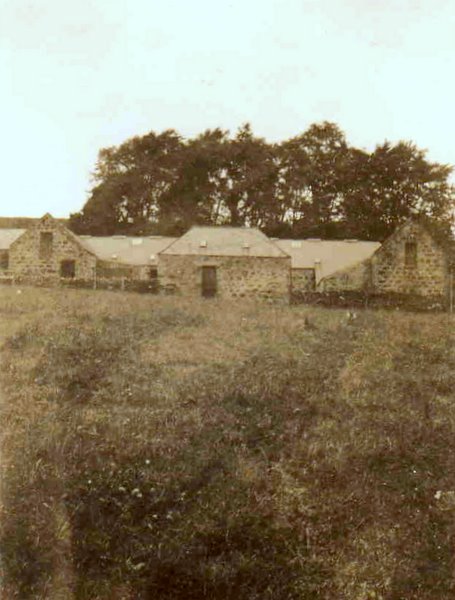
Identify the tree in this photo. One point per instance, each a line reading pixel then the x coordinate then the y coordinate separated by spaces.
pixel 313 184
pixel 130 181
pixel 391 184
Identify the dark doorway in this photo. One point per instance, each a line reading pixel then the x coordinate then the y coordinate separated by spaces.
pixel 208 282
pixel 153 274
pixel 68 269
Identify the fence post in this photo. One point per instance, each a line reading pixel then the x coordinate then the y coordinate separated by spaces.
pixel 94 279
pixel 122 284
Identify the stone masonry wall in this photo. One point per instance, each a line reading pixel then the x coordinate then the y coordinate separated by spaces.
pixel 303 280
pixel 237 277
pixel 386 271
pixel 429 277
pixel 24 254
pixel 355 278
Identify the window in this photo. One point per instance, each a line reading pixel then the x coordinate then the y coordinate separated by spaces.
pixel 68 269
pixel 45 244
pixel 410 254
pixel 153 273
pixel 4 260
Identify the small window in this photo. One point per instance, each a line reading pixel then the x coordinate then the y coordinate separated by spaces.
pixel 153 273
pixel 68 269
pixel 410 254
pixel 4 260
pixel 45 244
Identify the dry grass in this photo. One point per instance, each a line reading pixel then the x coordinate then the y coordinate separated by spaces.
pixel 156 448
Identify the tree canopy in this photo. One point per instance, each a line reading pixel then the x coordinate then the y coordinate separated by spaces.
pixel 312 185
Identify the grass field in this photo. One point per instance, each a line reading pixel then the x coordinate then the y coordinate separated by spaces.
pixel 158 448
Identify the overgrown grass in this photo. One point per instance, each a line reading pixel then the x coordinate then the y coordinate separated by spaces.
pixel 157 449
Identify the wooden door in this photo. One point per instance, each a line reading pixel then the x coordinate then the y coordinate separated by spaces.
pixel 209 282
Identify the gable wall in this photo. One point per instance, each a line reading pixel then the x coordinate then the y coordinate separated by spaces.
pixel 390 274
pixel 25 260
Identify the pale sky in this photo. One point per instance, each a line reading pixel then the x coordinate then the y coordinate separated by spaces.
pixel 81 75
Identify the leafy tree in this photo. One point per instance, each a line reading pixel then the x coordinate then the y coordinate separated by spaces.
pixel 391 184
pixel 313 184
pixel 130 181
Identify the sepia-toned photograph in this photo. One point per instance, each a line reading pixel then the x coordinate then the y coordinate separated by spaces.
pixel 227 289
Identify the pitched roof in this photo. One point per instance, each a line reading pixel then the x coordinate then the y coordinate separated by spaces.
pixel 328 255
pixel 23 222
pixel 225 241
pixel 125 249
pixel 8 236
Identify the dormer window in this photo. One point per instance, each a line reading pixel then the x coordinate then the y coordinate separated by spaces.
pixel 203 244
pixel 410 254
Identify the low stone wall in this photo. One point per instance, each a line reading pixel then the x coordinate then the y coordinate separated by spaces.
pixel 351 299
pixel 237 277
pixel 357 277
pixel 303 280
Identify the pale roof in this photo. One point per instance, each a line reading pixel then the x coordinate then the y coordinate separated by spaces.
pixel 328 256
pixel 224 241
pixel 8 236
pixel 126 249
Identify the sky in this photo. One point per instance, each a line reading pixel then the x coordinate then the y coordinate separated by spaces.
pixel 80 76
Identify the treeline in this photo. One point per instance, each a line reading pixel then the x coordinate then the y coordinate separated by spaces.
pixel 313 185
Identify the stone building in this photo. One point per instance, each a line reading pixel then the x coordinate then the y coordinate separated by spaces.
pixel 48 251
pixel 231 262
pixel 228 262
pixel 135 257
pixel 416 259
pixel 314 259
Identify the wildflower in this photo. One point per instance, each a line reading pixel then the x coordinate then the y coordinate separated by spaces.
pixel 147 461
pixel 438 495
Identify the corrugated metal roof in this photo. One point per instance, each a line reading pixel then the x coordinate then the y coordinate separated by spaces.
pixel 125 249
pixel 8 236
pixel 328 256
pixel 225 241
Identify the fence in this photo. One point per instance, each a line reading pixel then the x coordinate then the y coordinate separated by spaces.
pixel 359 299
pixel 151 286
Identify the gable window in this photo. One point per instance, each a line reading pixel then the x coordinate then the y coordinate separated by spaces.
pixel 45 244
pixel 68 269
pixel 410 254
